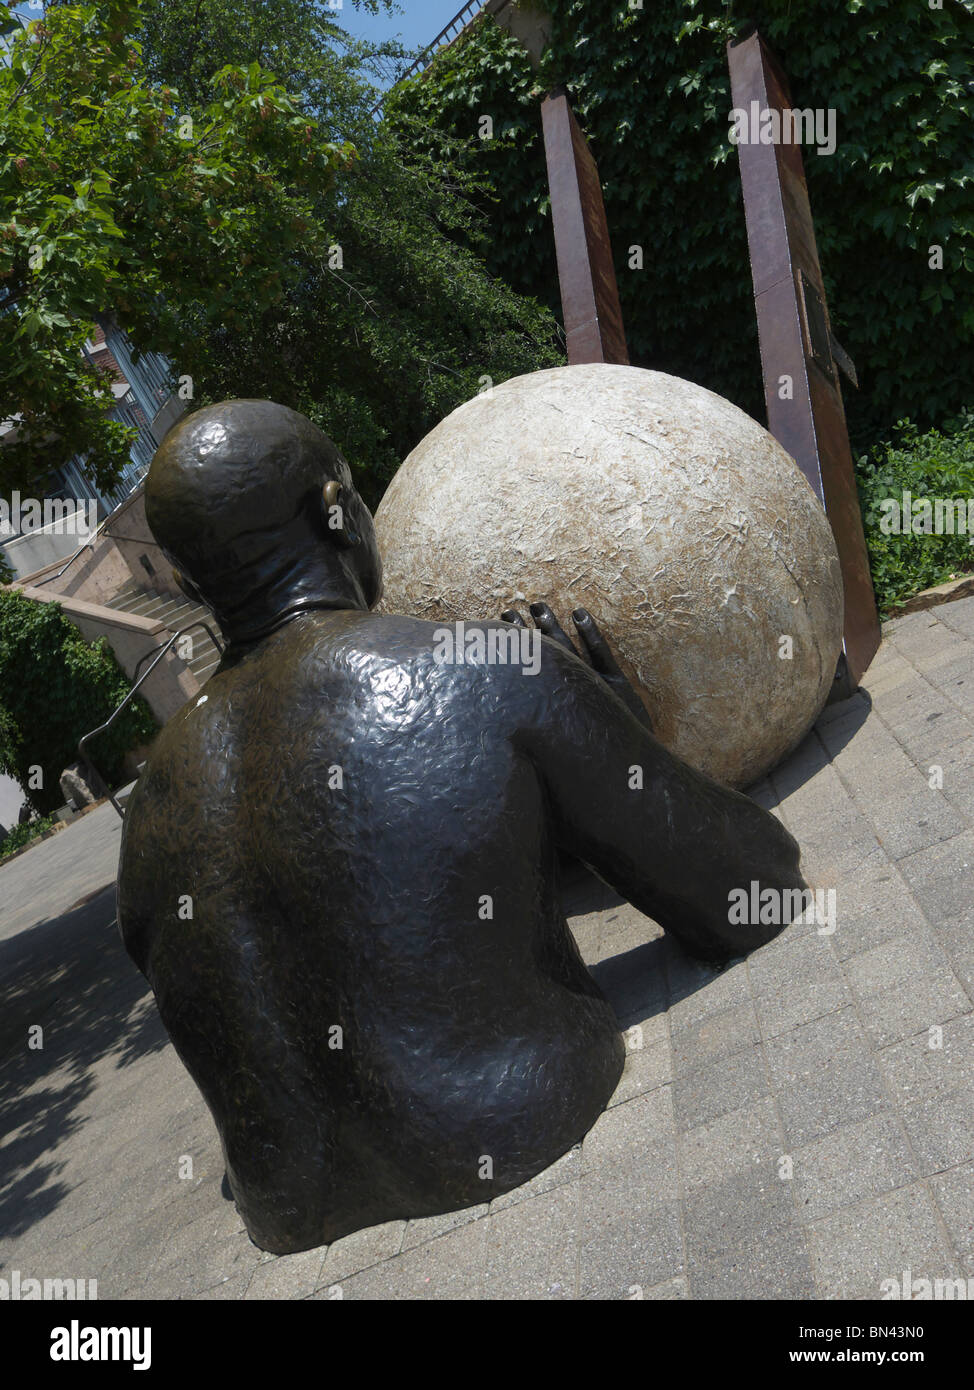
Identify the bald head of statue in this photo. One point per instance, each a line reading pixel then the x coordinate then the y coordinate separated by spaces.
pixel 256 510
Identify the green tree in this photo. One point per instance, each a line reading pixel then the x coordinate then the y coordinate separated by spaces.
pixel 270 242
pixel 650 88
pixel 54 688
pixel 399 322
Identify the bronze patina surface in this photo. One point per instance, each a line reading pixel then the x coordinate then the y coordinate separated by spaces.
pixel 340 868
pixel 796 340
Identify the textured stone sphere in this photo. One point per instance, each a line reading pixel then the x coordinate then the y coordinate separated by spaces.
pixel 674 518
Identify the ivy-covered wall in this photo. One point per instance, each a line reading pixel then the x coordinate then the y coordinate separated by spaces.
pixel 651 90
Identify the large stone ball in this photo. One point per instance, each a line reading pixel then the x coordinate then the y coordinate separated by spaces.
pixel 673 517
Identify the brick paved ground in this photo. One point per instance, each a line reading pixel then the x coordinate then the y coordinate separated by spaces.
pixel 846 1060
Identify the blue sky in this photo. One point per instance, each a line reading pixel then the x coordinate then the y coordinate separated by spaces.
pixel 418 22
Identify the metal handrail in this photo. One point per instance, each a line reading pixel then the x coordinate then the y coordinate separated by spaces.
pixel 472 9
pixel 160 653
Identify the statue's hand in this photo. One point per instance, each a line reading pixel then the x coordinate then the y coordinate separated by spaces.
pixel 595 647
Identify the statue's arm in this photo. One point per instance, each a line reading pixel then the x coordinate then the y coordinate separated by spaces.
pixel 669 839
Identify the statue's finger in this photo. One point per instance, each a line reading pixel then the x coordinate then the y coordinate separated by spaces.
pixel 549 625
pixel 597 647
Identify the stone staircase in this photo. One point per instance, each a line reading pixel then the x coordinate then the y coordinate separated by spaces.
pixel 176 614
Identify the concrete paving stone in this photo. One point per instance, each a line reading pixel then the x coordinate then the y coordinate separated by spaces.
pixel 422 1231
pixel 621 1135
pixel 634 982
pixel 628 1239
pixel 669 1291
pixel 231 1288
pixel 448 1268
pixel 587 931
pixel 908 821
pixel 958 616
pixel 813 803
pixel 852 1163
pixel 287 1276
pixel 924 722
pixel 736 1141
pixel 698 990
pixel 566 1169
pixel 858 1248
pixel 941 1129
pixel 940 880
pixel 954 676
pixel 750 1203
pixel 824 1075
pixel 957 940
pixel 912 955
pixel 213 1260
pixel 778 965
pixel 169 1239
pixel 932 1063
pixel 956 764
pixel 773 1266
pixel 362 1249
pixel 654 1029
pixel 633 927
pixel 831 829
pixel 888 669
pixel 646 1068
pixel 920 636
pixel 833 858
pixel 714 1037
pixel 805 770
pixel 913 1007
pixel 700 1097
pixel 856 706
pixel 790 1007
pixel 116 1262
pixel 532 1248
pixel 873 908
pixel 890 791
pixel 954 1194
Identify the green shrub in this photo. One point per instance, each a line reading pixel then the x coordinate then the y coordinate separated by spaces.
pixel 55 687
pixel 21 835
pixel 929 467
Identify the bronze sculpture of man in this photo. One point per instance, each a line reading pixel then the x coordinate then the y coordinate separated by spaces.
pixel 339 869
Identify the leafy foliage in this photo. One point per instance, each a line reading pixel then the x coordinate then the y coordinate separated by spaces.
pixel 153 164
pixel 398 323
pixel 55 687
pixel 650 88
pixel 927 466
pixel 116 196
pixel 20 835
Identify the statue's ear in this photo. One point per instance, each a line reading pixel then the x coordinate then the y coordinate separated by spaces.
pixel 335 518
pixel 188 588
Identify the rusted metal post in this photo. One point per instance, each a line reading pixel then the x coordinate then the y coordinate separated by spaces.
pixel 586 275
pixel 798 351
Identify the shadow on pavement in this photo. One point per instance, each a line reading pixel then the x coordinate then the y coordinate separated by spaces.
pixel 71 975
